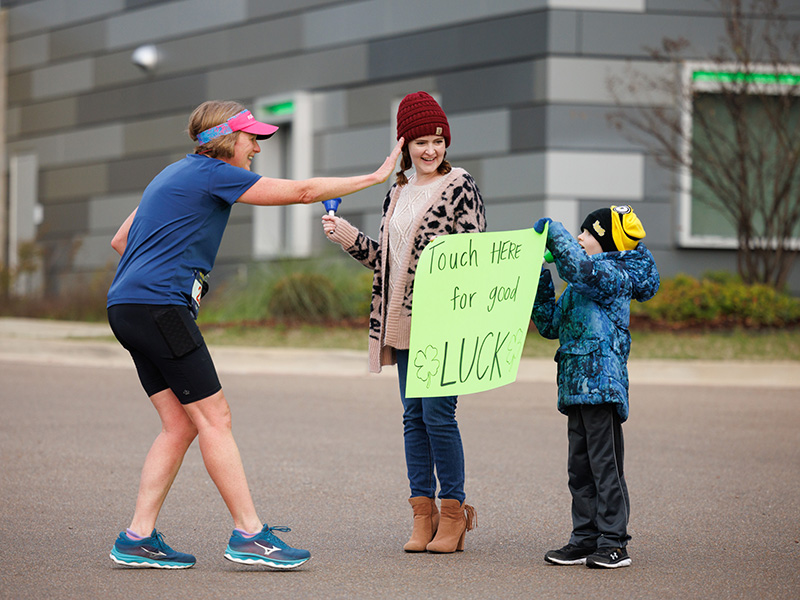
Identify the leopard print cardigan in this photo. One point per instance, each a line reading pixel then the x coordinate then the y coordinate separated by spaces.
pixel 456 207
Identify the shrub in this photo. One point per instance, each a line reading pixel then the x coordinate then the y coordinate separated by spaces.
pixel 717 300
pixel 313 290
pixel 304 297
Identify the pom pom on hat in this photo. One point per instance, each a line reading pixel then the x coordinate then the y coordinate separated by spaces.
pixel 419 115
pixel 615 228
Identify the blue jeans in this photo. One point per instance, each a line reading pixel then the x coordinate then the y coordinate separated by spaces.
pixel 432 440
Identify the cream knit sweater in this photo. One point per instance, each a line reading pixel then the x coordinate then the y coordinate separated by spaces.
pixel 454 206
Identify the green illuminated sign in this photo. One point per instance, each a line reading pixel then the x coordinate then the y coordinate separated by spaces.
pixel 738 77
pixel 281 108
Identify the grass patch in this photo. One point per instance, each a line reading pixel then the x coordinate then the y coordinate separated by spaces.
pixel 746 345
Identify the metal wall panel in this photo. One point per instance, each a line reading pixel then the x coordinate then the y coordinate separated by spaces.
pixel 493 87
pixel 632 36
pixel 171 20
pixel 135 173
pixel 63 79
pixel 340 67
pixel 157 135
pixel 85 145
pixel 79 40
pixel 28 52
pixel 583 126
pixel 150 98
pixel 479 134
pixel 377 19
pixel 34 17
pixel 58 185
pixel 470 45
pixel 354 150
pixel 52 115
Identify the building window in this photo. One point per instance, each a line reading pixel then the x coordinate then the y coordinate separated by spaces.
pixel 737 125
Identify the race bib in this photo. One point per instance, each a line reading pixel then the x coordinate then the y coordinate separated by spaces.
pixel 199 288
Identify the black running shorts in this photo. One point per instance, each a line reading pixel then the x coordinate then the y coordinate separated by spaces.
pixel 167 349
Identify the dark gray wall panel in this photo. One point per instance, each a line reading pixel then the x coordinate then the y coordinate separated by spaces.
pixel 528 129
pixel 51 14
pixel 145 99
pixel 19 87
pixel 492 87
pixel 66 184
pixel 562 32
pixel 657 220
pixel 134 173
pixel 172 20
pixel 659 182
pixel 28 52
pixel 262 8
pixel 51 116
pixel 333 68
pixel 440 50
pixel 74 41
pixel 158 135
pixel 787 7
pixel 372 104
pixel 512 213
pixel 583 127
pixel 142 3
pixel 692 7
pixel 235 46
pixel 630 35
pixel 65 217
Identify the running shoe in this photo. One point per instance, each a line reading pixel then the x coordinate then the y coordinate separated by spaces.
pixel 265 548
pixel 569 555
pixel 608 558
pixel 149 552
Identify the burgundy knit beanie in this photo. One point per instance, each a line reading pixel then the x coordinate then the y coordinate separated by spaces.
pixel 419 115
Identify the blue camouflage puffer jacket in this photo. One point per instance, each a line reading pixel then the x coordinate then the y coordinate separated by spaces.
pixel 590 319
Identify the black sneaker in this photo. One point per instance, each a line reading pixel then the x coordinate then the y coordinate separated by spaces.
pixel 569 555
pixel 608 558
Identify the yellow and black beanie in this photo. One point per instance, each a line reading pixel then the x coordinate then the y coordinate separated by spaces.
pixel 616 228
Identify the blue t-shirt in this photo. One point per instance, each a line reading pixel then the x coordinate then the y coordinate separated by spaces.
pixel 177 231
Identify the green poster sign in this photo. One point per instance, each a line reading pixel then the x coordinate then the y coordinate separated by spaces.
pixel 473 295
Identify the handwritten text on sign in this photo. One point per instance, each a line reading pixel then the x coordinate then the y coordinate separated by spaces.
pixel 473 295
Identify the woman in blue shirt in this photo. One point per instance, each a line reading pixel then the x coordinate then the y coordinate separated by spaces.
pixel 168 246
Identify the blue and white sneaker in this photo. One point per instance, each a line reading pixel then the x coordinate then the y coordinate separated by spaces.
pixel 149 552
pixel 265 549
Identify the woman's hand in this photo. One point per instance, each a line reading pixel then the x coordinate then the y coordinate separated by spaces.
pixel 390 163
pixel 329 223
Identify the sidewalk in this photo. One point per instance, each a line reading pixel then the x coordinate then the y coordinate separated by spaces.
pixel 92 344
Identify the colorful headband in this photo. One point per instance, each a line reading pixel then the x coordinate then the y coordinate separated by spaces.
pixel 243 121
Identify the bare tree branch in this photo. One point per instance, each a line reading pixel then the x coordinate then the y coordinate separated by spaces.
pixel 738 137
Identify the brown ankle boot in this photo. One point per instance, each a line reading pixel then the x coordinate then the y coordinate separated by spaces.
pixel 426 522
pixel 457 519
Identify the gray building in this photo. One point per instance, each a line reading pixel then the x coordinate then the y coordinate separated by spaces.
pixel 99 92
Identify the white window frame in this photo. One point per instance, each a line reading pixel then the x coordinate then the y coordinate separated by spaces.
pixel 689 85
pixel 267 241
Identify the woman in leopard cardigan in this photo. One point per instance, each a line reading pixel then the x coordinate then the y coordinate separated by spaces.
pixel 437 200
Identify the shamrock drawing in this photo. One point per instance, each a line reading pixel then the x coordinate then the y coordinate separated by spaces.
pixel 515 346
pixel 427 364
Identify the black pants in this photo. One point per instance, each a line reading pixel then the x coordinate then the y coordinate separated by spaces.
pixel 600 503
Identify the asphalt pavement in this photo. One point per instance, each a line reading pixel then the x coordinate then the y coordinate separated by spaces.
pixel 712 463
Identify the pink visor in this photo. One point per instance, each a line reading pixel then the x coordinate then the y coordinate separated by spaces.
pixel 243 121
